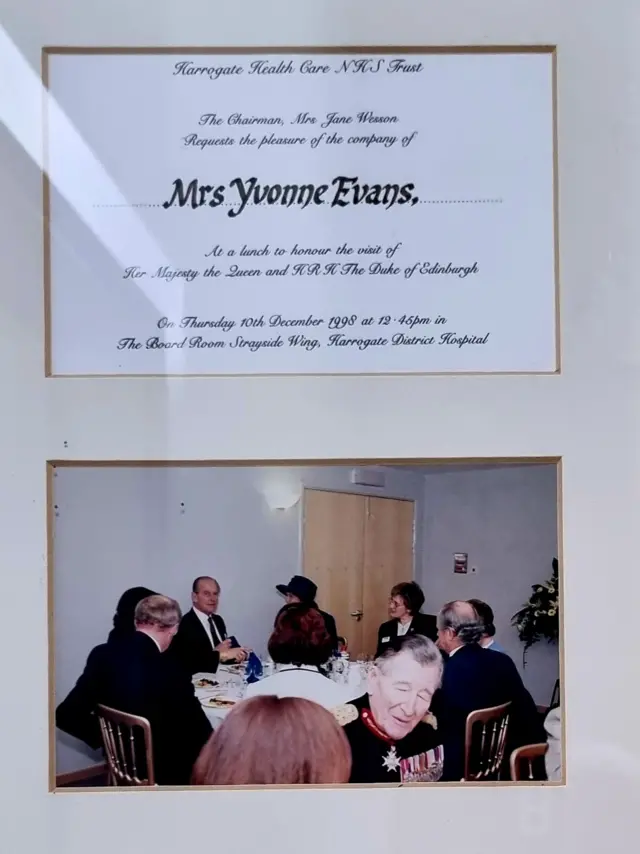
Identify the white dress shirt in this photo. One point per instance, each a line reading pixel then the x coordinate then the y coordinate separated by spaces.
pixel 208 627
pixel 403 628
pixel 304 682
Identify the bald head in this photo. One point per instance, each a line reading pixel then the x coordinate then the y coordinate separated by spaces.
pixel 464 610
pixel 458 625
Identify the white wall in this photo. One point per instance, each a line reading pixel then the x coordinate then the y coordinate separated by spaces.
pixel 161 527
pixel 506 519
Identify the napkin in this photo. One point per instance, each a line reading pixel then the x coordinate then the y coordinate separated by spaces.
pixel 253 670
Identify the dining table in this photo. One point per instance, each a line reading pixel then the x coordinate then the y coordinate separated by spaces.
pixel 219 692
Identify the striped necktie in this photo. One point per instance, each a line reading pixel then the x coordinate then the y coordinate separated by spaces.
pixel 214 632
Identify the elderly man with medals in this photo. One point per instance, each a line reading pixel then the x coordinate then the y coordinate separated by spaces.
pixel 393 737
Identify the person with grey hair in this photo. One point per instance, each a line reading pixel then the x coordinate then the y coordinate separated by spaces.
pixel 393 737
pixel 476 678
pixel 134 674
pixel 458 625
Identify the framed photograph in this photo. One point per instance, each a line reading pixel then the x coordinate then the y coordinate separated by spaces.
pixel 240 610
pixel 266 211
pixel 460 563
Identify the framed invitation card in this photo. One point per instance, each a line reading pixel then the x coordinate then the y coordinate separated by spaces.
pixel 300 211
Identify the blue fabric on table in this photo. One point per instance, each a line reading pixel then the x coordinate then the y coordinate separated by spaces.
pixel 253 670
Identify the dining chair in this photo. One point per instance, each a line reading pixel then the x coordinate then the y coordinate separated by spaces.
pixel 485 739
pixel 526 755
pixel 128 747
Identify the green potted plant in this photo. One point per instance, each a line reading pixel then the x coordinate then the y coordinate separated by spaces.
pixel 540 617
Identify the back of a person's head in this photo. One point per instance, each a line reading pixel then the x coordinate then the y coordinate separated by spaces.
pixel 463 620
pixel 158 612
pixel 269 741
pixel 300 637
pixel 123 619
pixel 485 614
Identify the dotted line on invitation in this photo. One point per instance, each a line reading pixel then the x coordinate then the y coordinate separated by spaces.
pixel 231 204
pixel 129 205
pixel 460 201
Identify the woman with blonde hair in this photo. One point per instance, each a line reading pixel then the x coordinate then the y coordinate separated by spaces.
pixel 269 741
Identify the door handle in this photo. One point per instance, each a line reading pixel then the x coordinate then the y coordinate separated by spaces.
pixel 357 614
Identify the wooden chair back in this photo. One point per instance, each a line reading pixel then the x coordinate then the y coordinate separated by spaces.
pixel 525 757
pixel 128 747
pixel 485 740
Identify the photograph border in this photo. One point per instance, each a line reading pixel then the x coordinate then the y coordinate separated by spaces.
pixel 48 51
pixel 63 783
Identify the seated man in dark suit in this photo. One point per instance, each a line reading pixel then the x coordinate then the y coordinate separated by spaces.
pixel 476 678
pixel 405 601
pixel 302 589
pixel 201 642
pixel 132 674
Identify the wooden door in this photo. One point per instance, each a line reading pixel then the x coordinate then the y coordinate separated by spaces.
pixel 388 560
pixel 333 553
pixel 356 548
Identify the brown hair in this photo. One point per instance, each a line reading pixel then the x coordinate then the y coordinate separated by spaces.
pixel 411 594
pixel 267 741
pixel 485 612
pixel 300 637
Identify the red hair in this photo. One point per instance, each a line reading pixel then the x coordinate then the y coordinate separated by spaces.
pixel 267 741
pixel 300 636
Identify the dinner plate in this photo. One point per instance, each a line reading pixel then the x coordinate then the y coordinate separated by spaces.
pixel 206 684
pixel 221 703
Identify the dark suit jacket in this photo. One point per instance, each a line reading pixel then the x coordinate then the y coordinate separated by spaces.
pixel 332 630
pixel 421 624
pixel 132 675
pixel 191 646
pixel 476 678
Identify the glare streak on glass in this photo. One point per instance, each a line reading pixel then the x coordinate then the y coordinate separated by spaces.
pixel 29 113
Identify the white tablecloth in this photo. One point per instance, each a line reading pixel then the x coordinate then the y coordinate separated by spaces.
pixel 229 685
